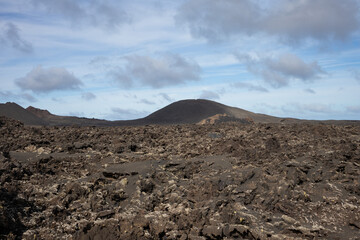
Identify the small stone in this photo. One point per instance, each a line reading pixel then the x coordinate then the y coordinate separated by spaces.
pixel 124 182
pixel 146 185
pixel 105 214
pixel 194 237
pixel 355 222
pixel 133 148
pixel 288 220
pixel 80 145
pixel 235 230
pixel 212 231
pixel 119 195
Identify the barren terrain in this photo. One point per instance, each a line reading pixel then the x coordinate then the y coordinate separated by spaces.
pixel 223 181
pixel 181 112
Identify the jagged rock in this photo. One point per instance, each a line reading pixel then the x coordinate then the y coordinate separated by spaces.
pixel 212 232
pixel 119 195
pixel 147 185
pixel 105 214
pixel 288 220
pixel 109 230
pixel 81 145
pixel 225 181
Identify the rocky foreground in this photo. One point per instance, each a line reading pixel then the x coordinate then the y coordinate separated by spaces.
pixel 223 181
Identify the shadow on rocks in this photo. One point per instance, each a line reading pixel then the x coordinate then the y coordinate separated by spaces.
pixel 12 210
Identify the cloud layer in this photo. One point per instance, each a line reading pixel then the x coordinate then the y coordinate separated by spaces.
pixel 356 74
pixel 88 96
pixel 353 109
pixel 166 97
pixel 92 12
pixel 166 70
pixel 145 101
pixel 10 35
pixel 127 114
pixel 249 87
pixel 7 96
pixel 279 72
pixel 291 20
pixel 40 80
pixel 146 56
pixel 300 108
pixel 206 94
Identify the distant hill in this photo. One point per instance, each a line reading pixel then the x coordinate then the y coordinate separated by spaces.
pixel 14 111
pixel 182 112
pixel 39 112
pixel 55 120
pixel 194 111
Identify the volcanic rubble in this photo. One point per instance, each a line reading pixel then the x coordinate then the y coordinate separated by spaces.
pixel 222 181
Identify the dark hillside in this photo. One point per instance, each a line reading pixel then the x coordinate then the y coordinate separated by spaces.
pixel 14 111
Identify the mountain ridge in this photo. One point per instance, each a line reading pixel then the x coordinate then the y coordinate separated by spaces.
pixel 41 113
pixel 15 111
pixel 189 111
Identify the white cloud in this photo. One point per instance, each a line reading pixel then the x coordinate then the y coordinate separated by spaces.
pixel 316 108
pixel 80 13
pixel 356 74
pixel 88 96
pixel 206 94
pixel 126 114
pixel 76 114
pixel 10 35
pixel 145 101
pixel 166 70
pixel 216 20
pixel 278 72
pixel 28 97
pixel 353 109
pixel 40 80
pixel 166 97
pixel 249 86
pixel 291 20
pixel 292 65
pixel 317 19
pixel 9 96
pixel 309 90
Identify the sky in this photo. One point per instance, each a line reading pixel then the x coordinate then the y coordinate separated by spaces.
pixel 122 59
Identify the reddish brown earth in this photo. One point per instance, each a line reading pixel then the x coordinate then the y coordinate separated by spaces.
pixel 222 181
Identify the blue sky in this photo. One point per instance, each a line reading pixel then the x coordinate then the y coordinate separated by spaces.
pixel 125 59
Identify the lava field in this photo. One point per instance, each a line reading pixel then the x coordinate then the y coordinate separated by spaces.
pixel 212 181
